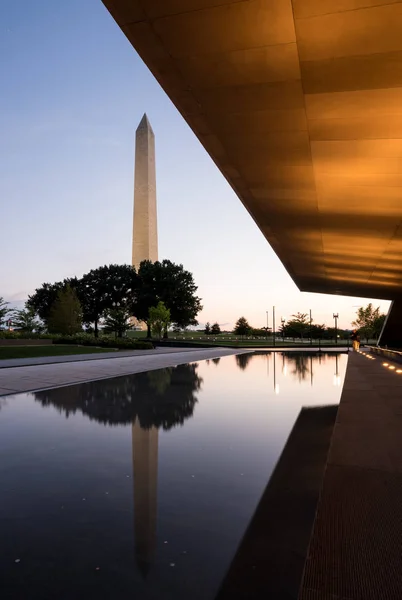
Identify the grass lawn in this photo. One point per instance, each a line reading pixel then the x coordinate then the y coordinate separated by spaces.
pixel 7 352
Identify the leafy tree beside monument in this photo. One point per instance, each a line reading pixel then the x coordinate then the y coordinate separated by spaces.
pixel 65 315
pixel 174 286
pixel 159 319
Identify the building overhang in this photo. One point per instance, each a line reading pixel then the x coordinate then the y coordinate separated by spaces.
pixel 300 106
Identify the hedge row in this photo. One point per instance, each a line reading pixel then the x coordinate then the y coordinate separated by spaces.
pixel 17 335
pixel 104 341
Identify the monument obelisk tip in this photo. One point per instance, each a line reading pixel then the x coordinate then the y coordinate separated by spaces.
pixel 144 124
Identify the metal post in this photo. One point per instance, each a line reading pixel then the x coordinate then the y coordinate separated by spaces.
pixel 336 317
pixel 266 331
pixel 311 339
pixel 273 323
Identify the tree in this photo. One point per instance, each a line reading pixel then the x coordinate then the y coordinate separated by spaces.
pixel 369 321
pixel 159 318
pixel 170 283
pixel 26 320
pixel 4 311
pixel 117 321
pixel 107 288
pixel 215 329
pixel 299 323
pixel 242 327
pixel 65 315
pixel 42 300
pixel 207 329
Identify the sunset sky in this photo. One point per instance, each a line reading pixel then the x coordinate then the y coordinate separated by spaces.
pixel 73 92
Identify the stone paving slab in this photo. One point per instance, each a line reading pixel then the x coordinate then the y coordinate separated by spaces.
pixel 356 545
pixel 29 378
pixel 47 360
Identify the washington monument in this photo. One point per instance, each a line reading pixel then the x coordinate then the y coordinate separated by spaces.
pixel 145 229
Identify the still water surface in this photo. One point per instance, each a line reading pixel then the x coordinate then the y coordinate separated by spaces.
pixel 143 486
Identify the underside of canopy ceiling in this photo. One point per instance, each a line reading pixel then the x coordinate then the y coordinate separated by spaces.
pixel 299 103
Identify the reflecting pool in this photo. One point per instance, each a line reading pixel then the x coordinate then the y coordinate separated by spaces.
pixel 142 486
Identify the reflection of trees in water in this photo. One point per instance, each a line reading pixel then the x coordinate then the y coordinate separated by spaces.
pixel 299 363
pixel 242 360
pixel 162 398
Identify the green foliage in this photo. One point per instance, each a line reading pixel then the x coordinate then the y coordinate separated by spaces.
pixel 170 283
pixel 65 316
pixel 26 320
pixel 159 319
pixel 207 329
pixel 117 321
pixel 4 311
pixel 108 288
pixel 103 341
pixel 242 327
pixel 215 329
pixel 369 321
pixel 42 300
pixel 299 324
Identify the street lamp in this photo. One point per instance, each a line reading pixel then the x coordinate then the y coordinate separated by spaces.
pixel 336 317
pixel 273 322
pixel 311 320
pixel 283 329
pixel 266 336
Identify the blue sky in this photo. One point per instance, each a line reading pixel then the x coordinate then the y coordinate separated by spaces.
pixel 73 92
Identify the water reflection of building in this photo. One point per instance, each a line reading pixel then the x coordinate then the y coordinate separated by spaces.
pixel 148 401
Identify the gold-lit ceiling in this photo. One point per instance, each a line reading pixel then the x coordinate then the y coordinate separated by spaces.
pixel 299 103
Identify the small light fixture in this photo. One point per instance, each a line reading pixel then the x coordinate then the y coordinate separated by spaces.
pixel 385 364
pixel 391 367
pixel 399 370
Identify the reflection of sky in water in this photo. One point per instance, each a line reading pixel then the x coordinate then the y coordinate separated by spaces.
pixel 66 483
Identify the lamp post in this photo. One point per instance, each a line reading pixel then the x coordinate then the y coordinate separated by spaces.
pixel 266 335
pixel 336 317
pixel 311 338
pixel 283 330
pixel 273 323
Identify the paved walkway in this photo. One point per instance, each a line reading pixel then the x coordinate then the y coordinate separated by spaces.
pixel 54 374
pixel 47 360
pixel 356 546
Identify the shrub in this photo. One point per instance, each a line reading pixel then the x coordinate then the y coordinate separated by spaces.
pixel 104 341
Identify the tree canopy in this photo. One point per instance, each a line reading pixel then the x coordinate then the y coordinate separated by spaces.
pixel 65 315
pixel 159 319
pixel 215 329
pixel 242 327
pixel 116 292
pixel 4 311
pixel 174 286
pixel 26 320
pixel 369 321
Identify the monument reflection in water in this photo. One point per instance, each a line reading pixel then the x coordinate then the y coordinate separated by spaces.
pixel 157 399
pixel 200 441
